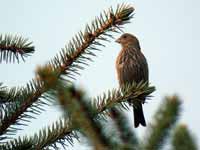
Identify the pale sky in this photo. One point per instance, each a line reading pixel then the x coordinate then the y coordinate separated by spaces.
pixel 169 35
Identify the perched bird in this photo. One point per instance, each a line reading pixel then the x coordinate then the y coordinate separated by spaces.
pixel 131 66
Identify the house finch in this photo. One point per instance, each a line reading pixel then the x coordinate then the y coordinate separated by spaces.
pixel 132 67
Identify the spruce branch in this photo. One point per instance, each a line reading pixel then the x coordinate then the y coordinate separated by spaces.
pixel 127 136
pixel 45 139
pixel 58 133
pixel 113 97
pixel 82 112
pixel 12 112
pixel 81 48
pixel 68 62
pixel 182 139
pixel 90 110
pixel 76 107
pixel 3 94
pixel 19 144
pixel 14 47
pixel 102 104
pixel 8 95
pixel 165 119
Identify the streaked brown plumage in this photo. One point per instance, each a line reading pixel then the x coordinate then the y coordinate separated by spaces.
pixel 132 67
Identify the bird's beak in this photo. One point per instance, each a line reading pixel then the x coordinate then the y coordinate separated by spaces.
pixel 118 40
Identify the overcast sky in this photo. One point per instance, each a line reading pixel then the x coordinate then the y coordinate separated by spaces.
pixel 169 35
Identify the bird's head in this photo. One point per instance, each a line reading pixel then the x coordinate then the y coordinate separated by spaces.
pixel 127 40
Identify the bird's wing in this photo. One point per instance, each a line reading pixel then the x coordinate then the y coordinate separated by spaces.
pixel 144 68
pixel 131 67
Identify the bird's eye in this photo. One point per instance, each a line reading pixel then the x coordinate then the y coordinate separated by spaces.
pixel 124 36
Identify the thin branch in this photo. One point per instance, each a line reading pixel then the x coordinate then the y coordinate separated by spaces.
pixel 135 91
pixel 14 47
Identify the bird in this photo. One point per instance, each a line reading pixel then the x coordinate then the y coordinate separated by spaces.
pixel 131 66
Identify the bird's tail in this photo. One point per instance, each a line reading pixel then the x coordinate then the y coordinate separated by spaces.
pixel 138 116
